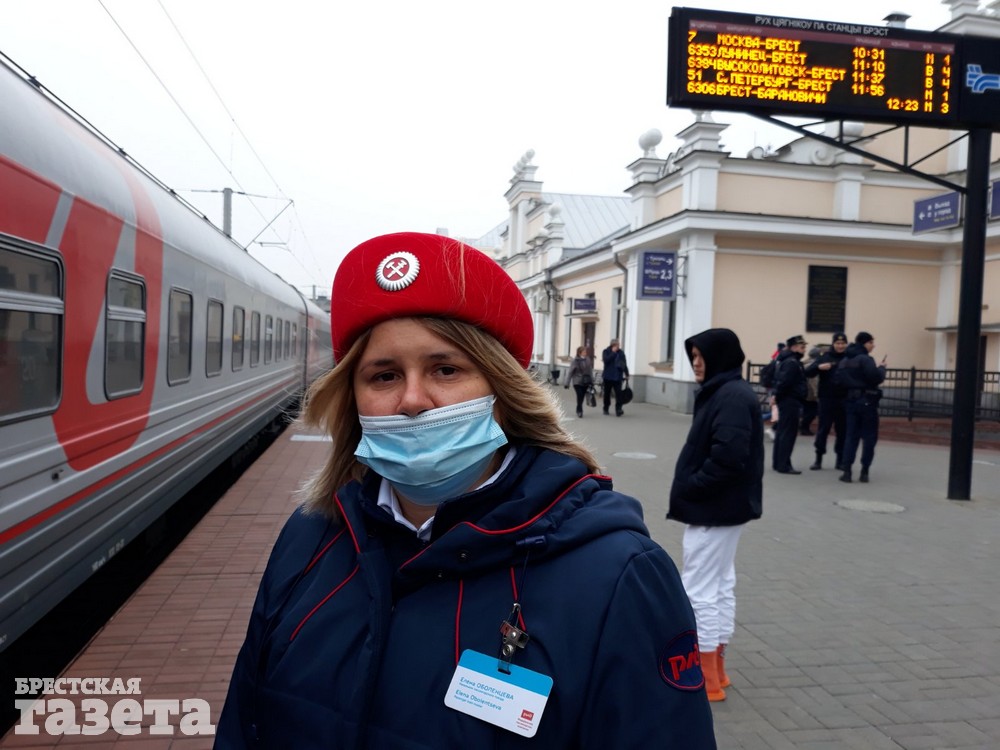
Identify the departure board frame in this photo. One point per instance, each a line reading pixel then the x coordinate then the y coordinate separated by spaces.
pixel 778 65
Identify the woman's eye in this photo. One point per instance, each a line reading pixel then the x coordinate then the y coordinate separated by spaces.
pixel 447 370
pixel 384 377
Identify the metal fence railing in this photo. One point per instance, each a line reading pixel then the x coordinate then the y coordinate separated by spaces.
pixel 915 393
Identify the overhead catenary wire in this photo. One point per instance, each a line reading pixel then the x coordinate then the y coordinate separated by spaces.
pixel 317 270
pixel 180 107
pixel 218 96
pixel 169 92
pixel 232 117
pixel 295 213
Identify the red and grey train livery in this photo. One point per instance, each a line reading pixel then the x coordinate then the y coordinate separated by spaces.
pixel 139 348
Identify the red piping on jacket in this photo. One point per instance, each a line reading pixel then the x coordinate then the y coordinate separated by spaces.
pixel 324 550
pixel 347 524
pixel 512 529
pixel 357 567
pixel 461 583
pixel 322 602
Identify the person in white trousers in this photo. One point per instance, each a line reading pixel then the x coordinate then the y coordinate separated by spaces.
pixel 717 489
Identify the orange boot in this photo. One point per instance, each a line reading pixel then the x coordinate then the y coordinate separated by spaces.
pixel 724 680
pixel 710 668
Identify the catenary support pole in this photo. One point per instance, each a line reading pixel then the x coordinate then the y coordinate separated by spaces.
pixel 967 364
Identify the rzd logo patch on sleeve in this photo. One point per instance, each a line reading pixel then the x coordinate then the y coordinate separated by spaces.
pixel 680 664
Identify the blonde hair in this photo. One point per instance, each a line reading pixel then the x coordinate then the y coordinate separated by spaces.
pixel 526 411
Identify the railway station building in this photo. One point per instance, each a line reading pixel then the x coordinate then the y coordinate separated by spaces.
pixel 804 239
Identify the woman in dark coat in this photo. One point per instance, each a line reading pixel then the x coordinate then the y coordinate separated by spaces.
pixel 460 574
pixel 581 376
pixel 717 488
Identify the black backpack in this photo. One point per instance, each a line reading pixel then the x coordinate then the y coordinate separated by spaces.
pixel 767 373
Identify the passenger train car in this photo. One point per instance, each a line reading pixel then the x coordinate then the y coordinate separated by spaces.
pixel 139 348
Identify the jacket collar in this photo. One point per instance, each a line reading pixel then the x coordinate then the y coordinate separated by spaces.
pixel 544 503
pixel 716 381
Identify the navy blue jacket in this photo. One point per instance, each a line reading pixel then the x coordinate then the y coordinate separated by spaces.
pixel 718 480
pixel 828 388
pixel 858 374
pixel 790 377
pixel 358 626
pixel 615 365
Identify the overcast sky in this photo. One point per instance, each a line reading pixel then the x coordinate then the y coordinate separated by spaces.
pixel 377 116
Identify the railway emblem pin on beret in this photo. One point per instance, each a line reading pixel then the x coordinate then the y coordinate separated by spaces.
pixel 397 271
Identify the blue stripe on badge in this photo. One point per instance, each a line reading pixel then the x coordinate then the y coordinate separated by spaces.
pixel 536 682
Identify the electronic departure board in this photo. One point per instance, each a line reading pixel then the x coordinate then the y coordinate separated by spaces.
pixel 826 69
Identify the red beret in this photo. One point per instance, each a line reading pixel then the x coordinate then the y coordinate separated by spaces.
pixel 412 275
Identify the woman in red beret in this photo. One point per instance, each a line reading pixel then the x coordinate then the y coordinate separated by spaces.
pixel 460 575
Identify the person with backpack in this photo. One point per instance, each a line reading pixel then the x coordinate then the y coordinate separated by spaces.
pixel 831 401
pixel 789 393
pixel 860 377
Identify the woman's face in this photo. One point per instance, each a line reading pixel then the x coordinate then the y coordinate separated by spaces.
pixel 406 369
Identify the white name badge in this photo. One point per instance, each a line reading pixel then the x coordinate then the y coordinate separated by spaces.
pixel 512 701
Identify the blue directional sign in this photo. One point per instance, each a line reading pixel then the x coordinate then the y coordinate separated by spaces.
pixel 940 212
pixel 658 275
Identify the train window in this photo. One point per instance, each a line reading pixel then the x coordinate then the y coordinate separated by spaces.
pixel 277 340
pixel 179 337
pixel 125 335
pixel 288 337
pixel 295 339
pixel 255 339
pixel 31 318
pixel 239 321
pixel 268 338
pixel 213 339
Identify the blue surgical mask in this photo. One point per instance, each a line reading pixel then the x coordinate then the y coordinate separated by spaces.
pixel 435 455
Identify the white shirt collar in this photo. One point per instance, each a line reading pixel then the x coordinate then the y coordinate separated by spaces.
pixel 387 499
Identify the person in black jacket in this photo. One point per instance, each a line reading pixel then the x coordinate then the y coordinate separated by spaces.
pixel 831 401
pixel 717 489
pixel 615 371
pixel 860 377
pixel 789 392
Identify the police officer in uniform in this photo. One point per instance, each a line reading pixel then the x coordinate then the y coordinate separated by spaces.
pixel 831 401
pixel 860 377
pixel 789 393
